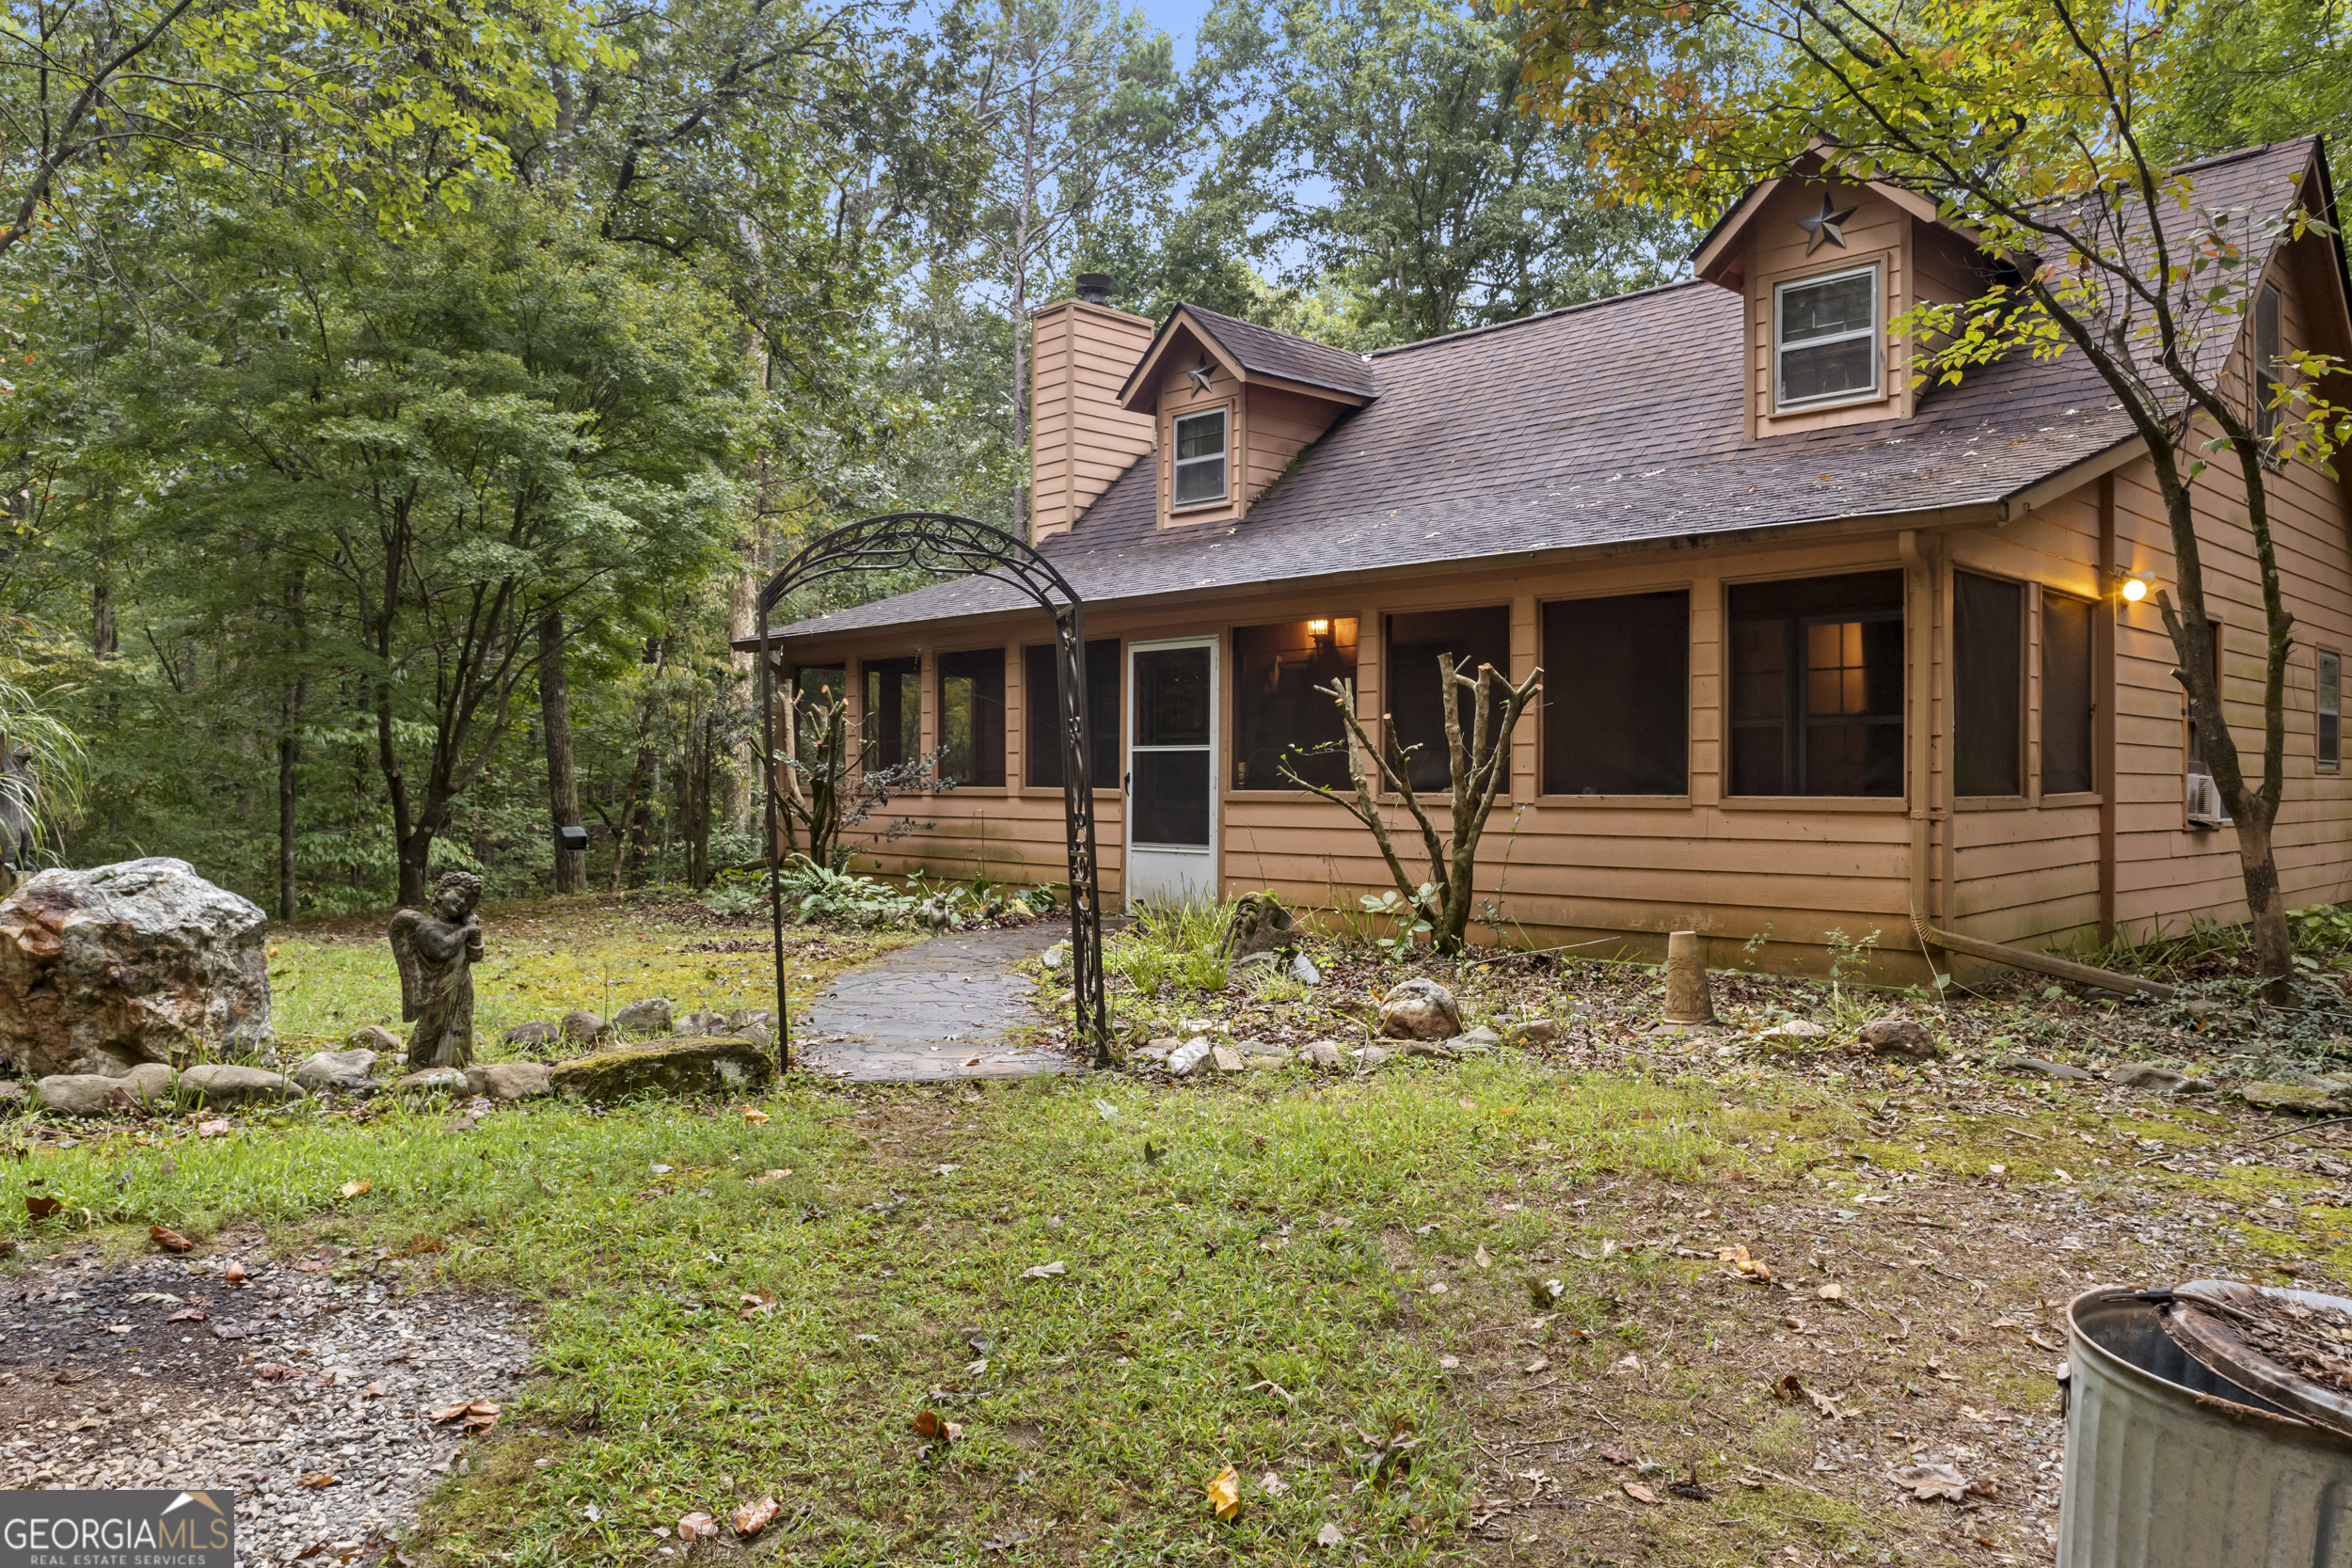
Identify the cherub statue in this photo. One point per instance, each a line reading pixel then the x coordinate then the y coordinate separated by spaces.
pixel 436 952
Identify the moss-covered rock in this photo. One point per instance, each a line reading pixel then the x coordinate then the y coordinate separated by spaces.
pixel 705 1065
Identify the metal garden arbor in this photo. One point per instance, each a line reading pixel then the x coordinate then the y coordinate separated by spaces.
pixel 943 545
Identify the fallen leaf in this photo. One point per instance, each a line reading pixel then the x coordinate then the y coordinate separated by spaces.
pixel 949 1170
pixel 1539 1364
pixel 40 1208
pixel 352 1189
pixel 1932 1483
pixel 319 1479
pixel 1273 1485
pixel 1330 1535
pixel 755 1117
pixel 755 1305
pixel 234 1273
pixel 594 1515
pixel 1225 1493
pixel 171 1240
pixel 1054 1270
pixel 1743 1265
pixel 767 1176
pixel 931 1426
pixel 971 1061
pixel 158 1298
pixel 1639 1494
pixel 1617 1453
pixel 749 1519
pixel 1545 1293
pixel 1792 1388
pixel 1831 1293
pixel 117 1328
pixel 189 1315
pixel 272 1370
pixel 426 1243
pixel 1438 1289
pixel 1480 1259
pixel 697 1526
pixel 219 1127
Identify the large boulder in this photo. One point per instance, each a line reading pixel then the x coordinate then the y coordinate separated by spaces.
pixel 706 1065
pixel 223 1084
pixel 1897 1036
pixel 1419 1009
pixel 140 962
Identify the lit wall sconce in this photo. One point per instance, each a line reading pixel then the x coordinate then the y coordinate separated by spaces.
pixel 1320 632
pixel 2136 584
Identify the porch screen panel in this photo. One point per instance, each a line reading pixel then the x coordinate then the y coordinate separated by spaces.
pixel 1816 686
pixel 1617 695
pixel 816 688
pixel 893 710
pixel 2067 700
pixel 1041 699
pixel 1279 716
pixel 972 717
pixel 1413 697
pixel 1988 685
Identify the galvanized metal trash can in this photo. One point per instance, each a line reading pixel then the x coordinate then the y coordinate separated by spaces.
pixel 2172 1465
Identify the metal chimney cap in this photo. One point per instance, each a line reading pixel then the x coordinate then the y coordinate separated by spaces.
pixel 1094 288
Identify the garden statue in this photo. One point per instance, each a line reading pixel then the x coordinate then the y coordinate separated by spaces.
pixel 436 953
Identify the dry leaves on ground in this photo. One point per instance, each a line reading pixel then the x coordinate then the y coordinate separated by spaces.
pixel 1054 1270
pixel 1930 1483
pixel 1225 1491
pixel 1792 1389
pixel 1617 1453
pixel 1330 1536
pixel 749 1519
pixel 931 1427
pixel 697 1526
pixel 1641 1494
pixel 352 1189
pixel 1743 1265
pixel 171 1240
pixel 40 1208
pixel 479 1415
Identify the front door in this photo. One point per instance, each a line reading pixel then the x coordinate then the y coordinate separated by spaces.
pixel 1171 772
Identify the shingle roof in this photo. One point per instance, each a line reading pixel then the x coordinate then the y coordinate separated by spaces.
pixel 1611 422
pixel 1265 352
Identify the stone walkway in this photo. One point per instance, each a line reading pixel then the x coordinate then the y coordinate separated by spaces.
pixel 930 1013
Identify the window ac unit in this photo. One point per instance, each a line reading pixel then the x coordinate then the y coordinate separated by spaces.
pixel 2204 802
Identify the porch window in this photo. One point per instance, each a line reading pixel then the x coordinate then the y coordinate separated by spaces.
pixel 1988 685
pixel 2068 705
pixel 1041 699
pixel 1816 686
pixel 1617 695
pixel 972 717
pixel 1414 701
pixel 1200 458
pixel 1277 713
pixel 2268 348
pixel 2330 750
pixel 1825 338
pixel 893 710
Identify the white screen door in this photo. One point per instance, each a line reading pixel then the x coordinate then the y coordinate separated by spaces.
pixel 1172 771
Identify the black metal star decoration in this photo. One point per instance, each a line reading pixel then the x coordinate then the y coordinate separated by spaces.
pixel 1825 226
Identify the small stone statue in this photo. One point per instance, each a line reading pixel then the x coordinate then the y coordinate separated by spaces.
pixel 436 953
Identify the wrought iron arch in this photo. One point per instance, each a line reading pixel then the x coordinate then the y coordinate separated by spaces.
pixel 942 543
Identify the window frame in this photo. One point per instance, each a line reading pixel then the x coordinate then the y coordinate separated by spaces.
pixel 1223 458
pixel 1794 724
pixel 1237 702
pixel 1001 752
pixel 1545 718
pixel 2045 684
pixel 1876 331
pixel 2321 761
pixel 1390 683
pixel 1038 701
pixel 2262 370
pixel 2029 774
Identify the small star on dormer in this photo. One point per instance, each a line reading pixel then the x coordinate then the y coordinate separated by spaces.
pixel 1825 225
pixel 1201 374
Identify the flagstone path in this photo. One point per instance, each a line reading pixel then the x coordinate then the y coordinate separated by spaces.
pixel 930 1013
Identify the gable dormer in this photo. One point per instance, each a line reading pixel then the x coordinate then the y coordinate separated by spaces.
pixel 1232 404
pixel 1827 266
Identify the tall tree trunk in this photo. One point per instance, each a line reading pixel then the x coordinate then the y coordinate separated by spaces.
pixel 555 714
pixel 624 824
pixel 701 761
pixel 101 619
pixel 738 800
pixel 289 753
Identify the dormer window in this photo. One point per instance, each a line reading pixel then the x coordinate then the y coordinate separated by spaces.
pixel 1200 458
pixel 1825 340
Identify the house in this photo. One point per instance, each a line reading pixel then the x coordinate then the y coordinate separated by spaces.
pixel 1821 652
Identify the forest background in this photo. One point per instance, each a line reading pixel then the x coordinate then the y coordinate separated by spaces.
pixel 402 398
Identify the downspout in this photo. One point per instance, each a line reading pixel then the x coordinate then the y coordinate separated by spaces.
pixel 2103 639
pixel 1919 643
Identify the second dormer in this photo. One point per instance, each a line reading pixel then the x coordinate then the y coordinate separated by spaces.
pixel 1232 404
pixel 1828 269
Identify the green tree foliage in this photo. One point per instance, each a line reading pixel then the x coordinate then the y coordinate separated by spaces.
pixel 388 105
pixel 1384 145
pixel 2248 71
pixel 2026 120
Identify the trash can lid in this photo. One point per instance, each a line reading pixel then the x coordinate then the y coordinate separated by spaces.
pixel 2291 1346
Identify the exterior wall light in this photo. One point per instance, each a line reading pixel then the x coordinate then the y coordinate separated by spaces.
pixel 2136 585
pixel 1318 628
